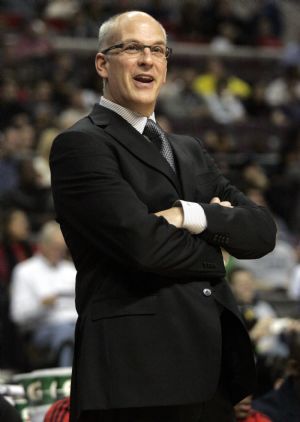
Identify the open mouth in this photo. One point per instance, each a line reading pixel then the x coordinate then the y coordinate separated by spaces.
pixel 145 79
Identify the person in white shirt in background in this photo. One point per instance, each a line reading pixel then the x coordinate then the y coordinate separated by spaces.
pixel 42 296
pixel 268 331
pixel 294 287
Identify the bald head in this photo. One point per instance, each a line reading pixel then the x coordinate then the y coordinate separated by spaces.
pixel 110 30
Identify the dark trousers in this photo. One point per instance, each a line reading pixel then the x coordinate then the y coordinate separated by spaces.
pixel 218 409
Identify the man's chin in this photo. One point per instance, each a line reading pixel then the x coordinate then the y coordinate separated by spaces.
pixel 144 105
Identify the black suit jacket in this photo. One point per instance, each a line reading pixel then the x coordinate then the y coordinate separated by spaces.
pixel 149 331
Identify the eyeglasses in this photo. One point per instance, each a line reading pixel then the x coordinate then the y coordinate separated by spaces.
pixel 135 49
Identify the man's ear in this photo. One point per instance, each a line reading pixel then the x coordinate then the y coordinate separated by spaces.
pixel 101 65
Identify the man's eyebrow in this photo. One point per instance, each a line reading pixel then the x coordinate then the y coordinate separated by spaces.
pixel 140 42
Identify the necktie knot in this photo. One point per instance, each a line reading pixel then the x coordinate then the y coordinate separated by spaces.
pixel 159 139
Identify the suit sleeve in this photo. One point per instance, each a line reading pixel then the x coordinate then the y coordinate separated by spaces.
pixel 246 231
pixel 96 201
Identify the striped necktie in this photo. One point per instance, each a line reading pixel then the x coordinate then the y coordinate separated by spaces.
pixel 159 139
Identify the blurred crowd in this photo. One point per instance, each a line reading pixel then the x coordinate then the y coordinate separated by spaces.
pixel 246 110
pixel 258 23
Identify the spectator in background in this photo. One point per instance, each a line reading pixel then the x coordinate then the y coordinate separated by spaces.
pixel 207 83
pixel 42 296
pixel 42 105
pixel 15 247
pixel 294 287
pixel 268 332
pixel 256 104
pixel 219 141
pixel 265 34
pixel 272 272
pixel 9 160
pixel 225 41
pixel 223 106
pixel 220 20
pixel 61 9
pixel 189 22
pixel 41 159
pixel 284 192
pixel 28 9
pixel 253 309
pixel 80 26
pixel 268 23
pixel 291 52
pixel 64 77
pixel 256 194
pixel 257 313
pixel 282 404
pixel 284 88
pixel 98 11
pixel 11 102
pixel 245 413
pixel 80 103
pixel 254 175
pixel 27 136
pixel 30 195
pixel 159 10
pixel 34 41
pixel 178 98
pixel 59 411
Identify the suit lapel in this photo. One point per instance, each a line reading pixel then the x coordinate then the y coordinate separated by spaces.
pixel 185 167
pixel 133 141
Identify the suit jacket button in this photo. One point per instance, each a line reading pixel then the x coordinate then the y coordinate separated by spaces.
pixel 207 292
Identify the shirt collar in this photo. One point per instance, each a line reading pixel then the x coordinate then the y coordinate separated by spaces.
pixel 133 118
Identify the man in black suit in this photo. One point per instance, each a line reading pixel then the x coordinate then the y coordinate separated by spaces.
pixel 145 216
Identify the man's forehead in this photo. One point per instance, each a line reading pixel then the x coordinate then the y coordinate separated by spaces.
pixel 139 27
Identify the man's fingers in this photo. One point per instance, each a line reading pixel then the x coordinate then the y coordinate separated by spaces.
pixel 215 200
pixel 226 204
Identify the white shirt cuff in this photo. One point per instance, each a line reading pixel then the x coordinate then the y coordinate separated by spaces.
pixel 194 218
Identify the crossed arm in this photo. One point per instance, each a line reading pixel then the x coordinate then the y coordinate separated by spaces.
pixel 94 200
pixel 175 215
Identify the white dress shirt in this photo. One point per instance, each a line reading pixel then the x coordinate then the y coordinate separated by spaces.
pixel 194 218
pixel 36 279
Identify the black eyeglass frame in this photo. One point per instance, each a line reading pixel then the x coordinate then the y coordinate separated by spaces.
pixel 121 45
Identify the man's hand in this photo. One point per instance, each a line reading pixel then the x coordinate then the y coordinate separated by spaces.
pixel 173 216
pixel 217 200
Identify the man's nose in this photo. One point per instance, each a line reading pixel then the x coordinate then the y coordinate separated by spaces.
pixel 146 56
